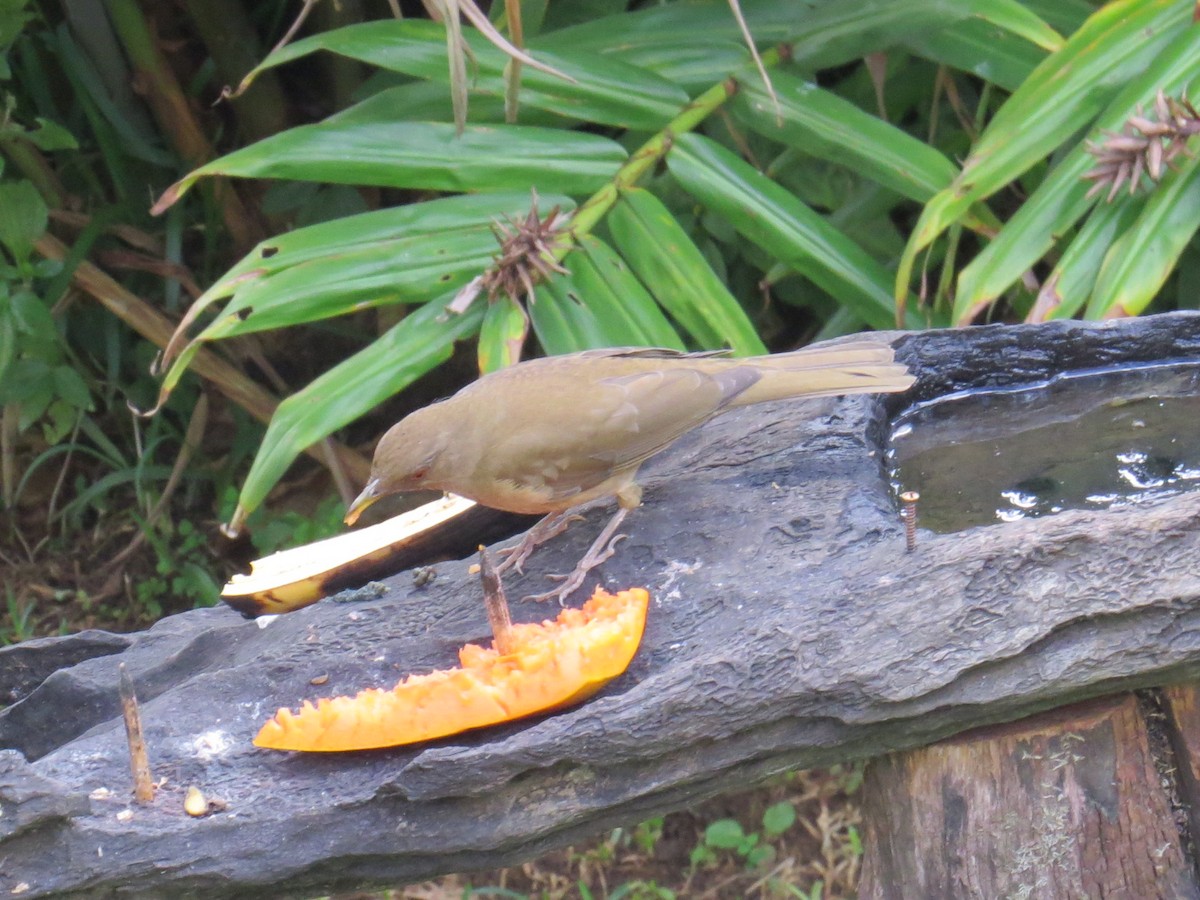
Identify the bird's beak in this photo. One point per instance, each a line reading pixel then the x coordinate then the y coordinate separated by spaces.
pixel 368 496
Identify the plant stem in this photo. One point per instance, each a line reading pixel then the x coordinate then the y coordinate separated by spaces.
pixel 646 157
pixel 156 82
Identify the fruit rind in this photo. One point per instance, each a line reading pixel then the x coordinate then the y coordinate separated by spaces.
pixel 557 663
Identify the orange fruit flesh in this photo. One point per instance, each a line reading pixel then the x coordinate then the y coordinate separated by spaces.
pixel 556 663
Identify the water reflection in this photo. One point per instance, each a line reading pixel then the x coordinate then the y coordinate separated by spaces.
pixel 1084 440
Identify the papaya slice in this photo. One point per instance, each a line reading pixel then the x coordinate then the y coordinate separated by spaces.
pixel 554 664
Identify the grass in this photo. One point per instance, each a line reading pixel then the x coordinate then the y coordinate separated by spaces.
pixel 795 837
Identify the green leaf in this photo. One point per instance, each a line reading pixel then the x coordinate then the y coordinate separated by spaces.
pixel 34 320
pixel 758 856
pixel 50 136
pixel 980 48
pixel 406 270
pixel 505 326
pixel 694 65
pixel 1061 199
pixel 70 386
pixel 831 128
pixel 430 101
pixel 405 254
pixel 23 218
pixel 598 304
pixel 328 240
pixel 606 90
pixel 423 156
pixel 677 274
pixel 1017 18
pixel 13 16
pixel 769 216
pixel 823 33
pixel 8 343
pixel 778 818
pixel 1070 284
pixel 1115 45
pixel 1065 16
pixel 1138 264
pixel 724 834
pixel 27 379
pixel 419 343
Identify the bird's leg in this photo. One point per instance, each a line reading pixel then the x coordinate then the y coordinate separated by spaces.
pixel 605 545
pixel 550 526
pixel 602 548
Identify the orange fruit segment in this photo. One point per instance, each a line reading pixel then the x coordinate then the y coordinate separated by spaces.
pixel 555 664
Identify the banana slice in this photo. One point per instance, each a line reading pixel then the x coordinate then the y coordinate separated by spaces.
pixel 295 578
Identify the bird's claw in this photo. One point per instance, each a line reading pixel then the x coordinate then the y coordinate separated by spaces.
pixel 518 553
pixel 571 582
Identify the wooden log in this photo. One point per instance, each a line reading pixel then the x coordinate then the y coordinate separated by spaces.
pixel 1181 705
pixel 1076 802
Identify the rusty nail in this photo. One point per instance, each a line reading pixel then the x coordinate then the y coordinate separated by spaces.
pixel 908 512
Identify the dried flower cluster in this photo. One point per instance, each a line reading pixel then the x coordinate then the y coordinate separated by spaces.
pixel 526 257
pixel 1145 145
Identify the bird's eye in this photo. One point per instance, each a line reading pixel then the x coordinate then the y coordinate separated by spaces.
pixel 420 473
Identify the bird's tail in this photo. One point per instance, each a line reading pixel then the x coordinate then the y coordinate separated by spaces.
pixel 856 367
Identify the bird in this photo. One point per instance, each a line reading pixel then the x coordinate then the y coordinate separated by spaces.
pixel 551 435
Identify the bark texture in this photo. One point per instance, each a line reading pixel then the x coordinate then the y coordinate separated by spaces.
pixel 1075 802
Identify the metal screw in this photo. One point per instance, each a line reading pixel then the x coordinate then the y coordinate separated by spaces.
pixel 908 512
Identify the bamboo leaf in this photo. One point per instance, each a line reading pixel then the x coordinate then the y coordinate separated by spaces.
pixel 980 48
pixel 604 89
pixel 410 269
pixel 694 65
pixel 405 254
pixel 667 261
pixel 1068 287
pixel 832 128
pixel 423 155
pixel 328 240
pixel 625 309
pixel 822 32
pixel 771 217
pixel 1065 92
pixel 1138 264
pixel 1017 18
pixel 599 303
pixel 1061 199
pixel 505 326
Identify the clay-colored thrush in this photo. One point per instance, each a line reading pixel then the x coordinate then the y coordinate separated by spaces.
pixel 549 435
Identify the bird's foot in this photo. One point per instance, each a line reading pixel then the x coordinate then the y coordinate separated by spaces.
pixel 549 527
pixel 602 549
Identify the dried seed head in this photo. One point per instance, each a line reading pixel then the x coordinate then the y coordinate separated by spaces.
pixel 526 258
pixel 1146 144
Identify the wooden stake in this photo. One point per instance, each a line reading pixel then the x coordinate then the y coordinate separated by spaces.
pixel 496 604
pixel 139 763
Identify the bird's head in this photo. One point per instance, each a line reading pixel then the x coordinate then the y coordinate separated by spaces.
pixel 405 460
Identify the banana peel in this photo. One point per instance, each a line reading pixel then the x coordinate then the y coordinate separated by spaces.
pixel 292 579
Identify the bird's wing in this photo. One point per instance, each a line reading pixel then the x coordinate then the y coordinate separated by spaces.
pixel 584 434
pixel 637 415
pixel 644 353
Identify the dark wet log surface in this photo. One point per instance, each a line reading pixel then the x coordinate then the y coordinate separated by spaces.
pixel 788 628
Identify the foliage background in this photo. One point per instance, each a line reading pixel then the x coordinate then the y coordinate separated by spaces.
pixel 874 163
